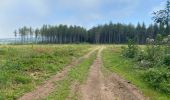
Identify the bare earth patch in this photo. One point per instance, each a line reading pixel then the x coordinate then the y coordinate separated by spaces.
pixel 110 87
pixel 97 87
pixel 45 89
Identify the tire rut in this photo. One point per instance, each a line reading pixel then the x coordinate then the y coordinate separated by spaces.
pixel 110 87
pixel 48 86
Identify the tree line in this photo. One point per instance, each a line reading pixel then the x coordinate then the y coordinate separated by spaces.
pixel 108 33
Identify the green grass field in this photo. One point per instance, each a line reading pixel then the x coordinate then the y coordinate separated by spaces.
pixel 22 68
pixel 126 68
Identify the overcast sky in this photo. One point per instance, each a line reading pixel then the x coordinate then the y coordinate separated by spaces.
pixel 86 13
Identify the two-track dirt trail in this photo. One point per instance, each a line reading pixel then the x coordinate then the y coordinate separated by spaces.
pixel 98 86
pixel 45 89
pixel 110 87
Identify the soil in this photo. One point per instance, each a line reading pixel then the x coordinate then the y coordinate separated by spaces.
pixel 98 86
pixel 107 87
pixel 48 86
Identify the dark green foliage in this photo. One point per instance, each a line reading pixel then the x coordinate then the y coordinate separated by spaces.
pixel 167 49
pixel 155 54
pixel 163 17
pixel 108 33
pixel 154 58
pixel 152 55
pixel 141 54
pixel 158 78
pixel 128 69
pixel 145 64
pixel 158 39
pixel 167 60
pixel 131 50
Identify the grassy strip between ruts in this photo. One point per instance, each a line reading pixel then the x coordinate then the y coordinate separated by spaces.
pixel 22 68
pixel 77 74
pixel 114 62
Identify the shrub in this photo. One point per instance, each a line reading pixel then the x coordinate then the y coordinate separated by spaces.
pixel 158 78
pixel 145 64
pixel 131 50
pixel 159 39
pixel 141 55
pixel 167 60
pixel 155 54
pixel 167 49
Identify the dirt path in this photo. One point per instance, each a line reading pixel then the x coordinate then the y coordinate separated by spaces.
pixel 110 87
pixel 45 89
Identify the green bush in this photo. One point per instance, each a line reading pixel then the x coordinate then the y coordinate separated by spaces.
pixel 141 55
pixel 145 64
pixel 167 49
pixel 158 78
pixel 155 54
pixel 141 59
pixel 167 60
pixel 131 50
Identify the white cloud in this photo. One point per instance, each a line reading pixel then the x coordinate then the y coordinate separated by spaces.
pixel 81 4
pixel 17 13
pixel 159 7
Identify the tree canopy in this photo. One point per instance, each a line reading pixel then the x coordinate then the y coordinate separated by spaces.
pixel 108 33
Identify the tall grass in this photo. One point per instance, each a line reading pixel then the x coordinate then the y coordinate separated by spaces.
pixel 129 69
pixel 22 68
